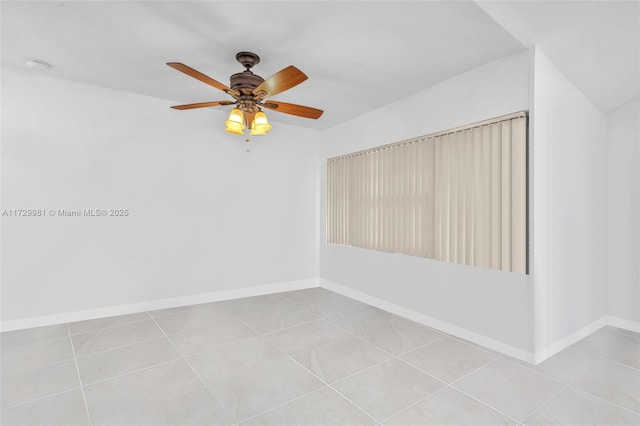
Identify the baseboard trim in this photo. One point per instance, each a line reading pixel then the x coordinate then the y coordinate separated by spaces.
pixel 174 302
pixel 596 325
pixel 238 293
pixel 624 324
pixel 437 324
pixel 569 340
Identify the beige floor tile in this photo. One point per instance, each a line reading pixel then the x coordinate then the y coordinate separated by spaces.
pixel 612 382
pixel 196 408
pixel 38 383
pixel 337 360
pixel 193 319
pixel 208 337
pixel 252 391
pixel 323 407
pixel 268 314
pixel 449 408
pixel 573 407
pixel 122 394
pixel 225 363
pixel 385 330
pixel 448 359
pixel 388 388
pixel 15 359
pixel 306 295
pixel 114 337
pixel 11 339
pixel 566 366
pixel 99 323
pixel 306 337
pixel 106 364
pixel 63 409
pixel 611 344
pixel 333 304
pixel 240 348
pixel 512 389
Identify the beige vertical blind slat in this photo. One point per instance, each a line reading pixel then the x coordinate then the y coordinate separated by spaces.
pixel 506 195
pixel 458 196
pixel 496 196
pixel 429 189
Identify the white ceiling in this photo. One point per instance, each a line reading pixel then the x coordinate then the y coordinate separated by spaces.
pixel 359 56
pixel 596 44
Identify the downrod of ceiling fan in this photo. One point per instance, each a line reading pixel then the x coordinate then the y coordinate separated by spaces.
pixel 247 59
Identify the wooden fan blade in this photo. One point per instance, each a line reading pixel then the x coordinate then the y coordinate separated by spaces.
pixel 283 80
pixel 203 78
pixel 202 105
pixel 293 109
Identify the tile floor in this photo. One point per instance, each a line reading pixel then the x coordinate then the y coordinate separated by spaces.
pixel 308 357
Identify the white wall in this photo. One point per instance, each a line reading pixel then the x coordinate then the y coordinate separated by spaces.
pixel 569 209
pixel 623 139
pixel 490 303
pixel 205 214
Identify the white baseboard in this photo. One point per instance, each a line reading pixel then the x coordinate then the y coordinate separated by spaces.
pixel 437 324
pixel 569 340
pixel 259 290
pixel 623 324
pixel 174 302
pixel 564 343
pixel 480 339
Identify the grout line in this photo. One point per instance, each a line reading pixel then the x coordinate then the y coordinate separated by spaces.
pixel 322 381
pixel 355 335
pixel 217 348
pixel 545 402
pixel 485 404
pixel 284 403
pixel 108 327
pixel 348 311
pixel 75 360
pixel 38 367
pixel 618 362
pixel 526 367
pixel 476 346
pixel 326 319
pixel 25 346
pixel 570 383
pixel 472 371
pixel 133 371
pixel 415 403
pixel 121 346
pixel 391 357
pixel 637 413
pixel 232 417
pixel 193 308
pixel 564 386
pixel 178 310
pixel 442 336
pixel 452 386
pixel 268 333
pixel 38 399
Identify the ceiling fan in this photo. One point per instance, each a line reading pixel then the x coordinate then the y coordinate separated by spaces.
pixel 249 92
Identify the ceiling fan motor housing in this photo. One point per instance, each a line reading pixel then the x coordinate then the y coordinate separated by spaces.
pixel 244 82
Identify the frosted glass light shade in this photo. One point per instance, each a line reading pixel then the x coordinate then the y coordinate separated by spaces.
pixel 235 122
pixel 260 125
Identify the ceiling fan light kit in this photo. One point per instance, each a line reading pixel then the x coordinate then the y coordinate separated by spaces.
pixel 249 92
pixel 235 122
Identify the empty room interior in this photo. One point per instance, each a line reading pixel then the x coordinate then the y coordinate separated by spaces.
pixel 320 213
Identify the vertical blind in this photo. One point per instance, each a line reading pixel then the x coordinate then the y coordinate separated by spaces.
pixel 459 196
